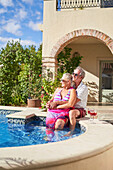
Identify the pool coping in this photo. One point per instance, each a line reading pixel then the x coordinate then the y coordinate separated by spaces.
pixel 95 140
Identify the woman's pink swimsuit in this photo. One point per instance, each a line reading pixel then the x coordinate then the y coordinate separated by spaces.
pixel 55 114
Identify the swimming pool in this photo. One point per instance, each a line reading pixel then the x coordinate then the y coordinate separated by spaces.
pixel 32 133
pixel 85 151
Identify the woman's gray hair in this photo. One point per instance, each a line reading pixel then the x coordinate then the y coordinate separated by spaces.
pixel 67 76
pixel 82 72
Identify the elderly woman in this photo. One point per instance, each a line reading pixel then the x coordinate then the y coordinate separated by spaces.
pixel 58 117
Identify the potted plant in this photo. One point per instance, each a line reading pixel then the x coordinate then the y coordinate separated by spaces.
pixel 34 99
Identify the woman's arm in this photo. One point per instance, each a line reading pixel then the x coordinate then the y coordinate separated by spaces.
pixel 48 104
pixel 71 102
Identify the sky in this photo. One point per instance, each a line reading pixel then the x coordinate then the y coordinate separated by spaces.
pixel 19 19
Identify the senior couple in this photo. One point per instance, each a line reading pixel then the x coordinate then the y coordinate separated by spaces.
pixel 69 102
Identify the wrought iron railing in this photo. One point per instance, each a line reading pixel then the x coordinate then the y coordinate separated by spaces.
pixel 106 3
pixel 68 4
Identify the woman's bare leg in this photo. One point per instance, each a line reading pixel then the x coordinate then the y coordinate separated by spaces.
pixel 59 125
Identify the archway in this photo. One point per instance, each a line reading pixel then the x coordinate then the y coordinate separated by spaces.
pixel 64 41
pixel 97 35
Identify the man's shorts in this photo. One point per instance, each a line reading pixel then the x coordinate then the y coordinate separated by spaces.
pixel 82 112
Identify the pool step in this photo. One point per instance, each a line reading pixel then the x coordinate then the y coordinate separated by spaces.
pixel 25 116
pixel 20 117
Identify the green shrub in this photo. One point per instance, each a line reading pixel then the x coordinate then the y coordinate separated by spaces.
pixel 19 75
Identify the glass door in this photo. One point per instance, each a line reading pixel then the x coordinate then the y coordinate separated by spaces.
pixel 106 82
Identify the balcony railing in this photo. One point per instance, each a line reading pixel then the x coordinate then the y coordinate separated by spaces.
pixel 68 4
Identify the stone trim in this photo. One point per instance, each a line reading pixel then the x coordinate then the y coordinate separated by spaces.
pixel 48 64
pixel 49 60
pixel 65 40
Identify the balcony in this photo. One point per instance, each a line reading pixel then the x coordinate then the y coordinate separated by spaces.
pixel 69 4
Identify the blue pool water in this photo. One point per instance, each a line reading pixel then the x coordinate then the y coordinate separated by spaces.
pixel 32 133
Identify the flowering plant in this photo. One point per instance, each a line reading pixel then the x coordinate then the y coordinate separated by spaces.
pixel 48 88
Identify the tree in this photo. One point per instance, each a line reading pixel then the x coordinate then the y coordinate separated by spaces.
pixel 66 63
pixel 10 70
pixel 30 74
pixel 19 73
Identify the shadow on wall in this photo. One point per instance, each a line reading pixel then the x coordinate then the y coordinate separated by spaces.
pixel 17 163
pixel 93 91
pixel 108 98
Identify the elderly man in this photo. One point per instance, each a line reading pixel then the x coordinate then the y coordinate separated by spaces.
pixel 82 94
pixel 79 109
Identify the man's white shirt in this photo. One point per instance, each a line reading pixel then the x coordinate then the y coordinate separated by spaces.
pixel 82 94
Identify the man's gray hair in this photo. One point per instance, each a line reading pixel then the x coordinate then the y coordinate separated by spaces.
pixel 82 72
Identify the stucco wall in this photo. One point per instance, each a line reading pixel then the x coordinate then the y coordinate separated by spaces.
pixel 91 53
pixel 56 24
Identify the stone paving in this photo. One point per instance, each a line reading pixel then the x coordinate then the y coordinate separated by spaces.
pixel 104 112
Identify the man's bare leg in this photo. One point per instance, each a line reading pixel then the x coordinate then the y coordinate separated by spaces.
pixel 73 114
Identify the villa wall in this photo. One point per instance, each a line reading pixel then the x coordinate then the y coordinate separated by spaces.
pixel 62 28
pixel 56 24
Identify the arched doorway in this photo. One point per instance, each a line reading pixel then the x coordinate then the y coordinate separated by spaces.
pixel 96 47
pixel 64 41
